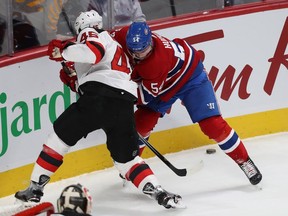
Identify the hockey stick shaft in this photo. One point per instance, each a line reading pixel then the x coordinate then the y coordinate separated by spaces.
pixel 71 28
pixel 179 172
pixel 65 68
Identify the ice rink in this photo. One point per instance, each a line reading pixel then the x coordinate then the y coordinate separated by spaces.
pixel 217 188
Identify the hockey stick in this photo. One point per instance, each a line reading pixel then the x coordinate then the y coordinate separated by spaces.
pixel 179 172
pixel 65 68
pixel 71 28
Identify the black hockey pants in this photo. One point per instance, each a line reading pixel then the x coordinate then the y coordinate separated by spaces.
pixel 101 107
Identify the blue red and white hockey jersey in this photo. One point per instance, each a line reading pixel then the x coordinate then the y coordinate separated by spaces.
pixel 165 71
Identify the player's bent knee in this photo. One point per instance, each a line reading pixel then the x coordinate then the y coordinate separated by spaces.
pixel 146 119
pixel 215 128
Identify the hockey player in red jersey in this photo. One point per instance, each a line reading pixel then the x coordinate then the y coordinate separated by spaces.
pixel 167 70
pixel 107 97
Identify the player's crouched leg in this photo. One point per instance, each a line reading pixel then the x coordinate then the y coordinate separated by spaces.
pixel 141 175
pixel 228 140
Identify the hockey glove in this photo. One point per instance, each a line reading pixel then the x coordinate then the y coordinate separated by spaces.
pixel 68 75
pixel 69 68
pixel 55 49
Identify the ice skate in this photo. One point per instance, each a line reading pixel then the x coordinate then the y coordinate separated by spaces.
pixel 251 171
pixel 164 198
pixel 34 192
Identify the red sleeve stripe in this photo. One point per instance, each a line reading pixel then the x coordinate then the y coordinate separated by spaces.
pixel 97 49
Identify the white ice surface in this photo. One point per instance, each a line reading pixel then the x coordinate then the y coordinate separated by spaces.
pixel 219 188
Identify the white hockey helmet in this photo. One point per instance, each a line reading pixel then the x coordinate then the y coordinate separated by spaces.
pixel 88 19
pixel 75 198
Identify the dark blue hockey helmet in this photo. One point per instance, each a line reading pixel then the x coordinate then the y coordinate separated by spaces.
pixel 138 37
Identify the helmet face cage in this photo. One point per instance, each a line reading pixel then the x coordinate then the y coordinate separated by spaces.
pixel 138 37
pixel 88 19
pixel 75 198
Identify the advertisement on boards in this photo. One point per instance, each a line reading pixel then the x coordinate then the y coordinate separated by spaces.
pixel 245 57
pixel 246 60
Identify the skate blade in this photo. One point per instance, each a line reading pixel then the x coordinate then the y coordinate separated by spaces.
pixel 178 205
pixel 24 203
pixel 259 186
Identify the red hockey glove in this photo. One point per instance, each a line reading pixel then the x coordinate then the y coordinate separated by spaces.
pixel 68 75
pixel 68 80
pixel 55 49
pixel 69 68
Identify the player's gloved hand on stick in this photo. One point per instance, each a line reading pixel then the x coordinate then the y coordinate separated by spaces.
pixel 68 75
pixel 68 80
pixel 55 49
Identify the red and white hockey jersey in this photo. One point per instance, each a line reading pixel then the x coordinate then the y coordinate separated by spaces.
pixel 98 57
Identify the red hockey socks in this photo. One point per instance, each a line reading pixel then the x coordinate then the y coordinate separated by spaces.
pixel 217 128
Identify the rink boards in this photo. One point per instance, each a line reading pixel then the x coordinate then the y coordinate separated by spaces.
pixel 244 57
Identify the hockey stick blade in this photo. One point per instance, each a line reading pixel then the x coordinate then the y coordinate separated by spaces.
pixel 195 168
pixel 179 172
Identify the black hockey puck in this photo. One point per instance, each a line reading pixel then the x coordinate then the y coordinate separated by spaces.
pixel 210 151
